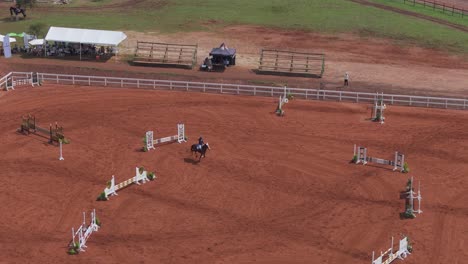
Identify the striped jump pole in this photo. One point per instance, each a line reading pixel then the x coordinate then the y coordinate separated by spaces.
pixel 112 187
pixel 179 137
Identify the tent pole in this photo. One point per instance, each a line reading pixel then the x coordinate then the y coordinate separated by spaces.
pixel 80 50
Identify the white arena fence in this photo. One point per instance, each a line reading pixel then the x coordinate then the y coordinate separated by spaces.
pixel 3 81
pixel 239 89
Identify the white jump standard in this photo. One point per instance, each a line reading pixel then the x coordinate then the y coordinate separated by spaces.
pixel 149 140
pixel 378 111
pixel 180 137
pixel 112 188
pixel 360 154
pixel 410 210
pixel 282 100
pixel 403 252
pixel 83 233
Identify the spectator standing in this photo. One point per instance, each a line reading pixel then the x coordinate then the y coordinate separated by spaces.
pixel 346 79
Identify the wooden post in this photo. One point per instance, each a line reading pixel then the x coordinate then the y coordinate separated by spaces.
pixel 180 55
pixel 194 59
pixel 292 62
pixel 276 61
pixel 165 54
pixel 443 7
pixel 151 51
pixel 453 9
pixel 50 132
pixel 414 2
pixel 34 123
pixel 56 129
pixel 434 5
pixel 261 59
pixel 136 50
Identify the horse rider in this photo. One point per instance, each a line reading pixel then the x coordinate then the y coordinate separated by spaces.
pixel 17 8
pixel 200 143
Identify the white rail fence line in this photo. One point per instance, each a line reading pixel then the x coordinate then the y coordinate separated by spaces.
pixel 3 81
pixel 239 89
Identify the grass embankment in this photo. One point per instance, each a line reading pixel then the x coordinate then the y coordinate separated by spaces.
pixel 325 16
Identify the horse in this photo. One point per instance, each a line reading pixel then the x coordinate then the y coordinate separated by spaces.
pixel 17 10
pixel 202 152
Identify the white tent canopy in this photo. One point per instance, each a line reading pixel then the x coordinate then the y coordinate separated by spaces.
pixel 85 36
pixel 36 42
pixel 11 39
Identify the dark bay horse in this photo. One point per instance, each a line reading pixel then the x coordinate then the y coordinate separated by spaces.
pixel 202 152
pixel 17 10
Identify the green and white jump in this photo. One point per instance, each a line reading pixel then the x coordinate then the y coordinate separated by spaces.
pixel 361 154
pixel 151 142
pixel 112 188
pixel 402 253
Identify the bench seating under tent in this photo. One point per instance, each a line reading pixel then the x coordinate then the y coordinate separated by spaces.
pixel 291 63
pixel 165 54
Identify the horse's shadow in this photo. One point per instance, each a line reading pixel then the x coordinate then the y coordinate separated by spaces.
pixel 191 160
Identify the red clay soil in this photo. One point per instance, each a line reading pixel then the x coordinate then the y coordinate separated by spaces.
pixel 373 64
pixel 271 190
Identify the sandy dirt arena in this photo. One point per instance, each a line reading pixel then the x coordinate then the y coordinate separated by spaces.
pixel 271 190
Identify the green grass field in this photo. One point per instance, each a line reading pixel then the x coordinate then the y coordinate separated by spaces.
pixel 447 16
pixel 325 16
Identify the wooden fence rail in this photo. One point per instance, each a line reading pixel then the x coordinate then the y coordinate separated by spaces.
pixel 445 8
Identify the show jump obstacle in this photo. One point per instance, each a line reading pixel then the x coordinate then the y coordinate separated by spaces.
pixel 282 100
pixel 164 54
pixel 361 157
pixel 112 188
pixel 28 125
pixel 180 137
pixel 83 233
pixel 403 252
pixel 378 110
pixel 291 63
pixel 410 210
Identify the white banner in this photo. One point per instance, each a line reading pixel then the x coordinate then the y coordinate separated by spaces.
pixel 6 46
pixel 26 39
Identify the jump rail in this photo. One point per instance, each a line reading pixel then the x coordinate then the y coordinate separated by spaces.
pixel 3 81
pixel 238 89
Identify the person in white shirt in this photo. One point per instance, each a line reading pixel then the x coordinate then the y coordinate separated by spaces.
pixel 346 79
